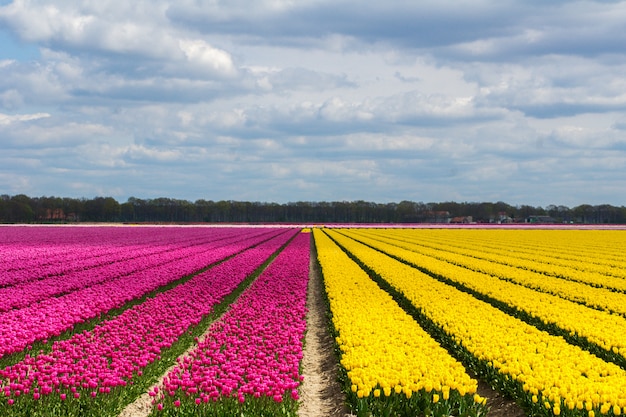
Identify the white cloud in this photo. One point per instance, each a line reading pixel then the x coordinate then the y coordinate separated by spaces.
pixel 11 99
pixel 135 27
pixel 139 152
pixel 400 143
pixel 17 184
pixel 6 119
pixel 201 54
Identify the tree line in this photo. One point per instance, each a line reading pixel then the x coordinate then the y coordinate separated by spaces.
pixel 24 209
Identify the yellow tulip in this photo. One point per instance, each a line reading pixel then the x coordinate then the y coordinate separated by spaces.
pixel 541 363
pixel 604 408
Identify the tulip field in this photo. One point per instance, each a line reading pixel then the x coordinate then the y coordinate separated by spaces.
pixel 211 321
pixel 539 314
pixel 116 321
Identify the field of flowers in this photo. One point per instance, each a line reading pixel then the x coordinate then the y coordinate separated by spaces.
pixel 526 310
pixel 210 321
pixel 391 364
pixel 91 347
pixel 249 362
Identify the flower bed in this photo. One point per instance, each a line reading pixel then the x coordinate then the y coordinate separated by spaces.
pixel 125 262
pixel 543 372
pixel 19 328
pixel 75 377
pixel 392 366
pixel 249 362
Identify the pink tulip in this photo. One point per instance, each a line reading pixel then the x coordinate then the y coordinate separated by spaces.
pixel 256 347
pixel 117 350
pixel 88 299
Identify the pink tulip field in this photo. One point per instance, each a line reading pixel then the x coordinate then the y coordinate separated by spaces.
pixel 20 327
pixel 250 359
pixel 91 317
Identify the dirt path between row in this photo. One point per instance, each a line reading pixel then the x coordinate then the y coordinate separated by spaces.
pixel 320 391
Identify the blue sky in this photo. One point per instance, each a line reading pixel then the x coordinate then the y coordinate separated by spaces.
pixel 282 101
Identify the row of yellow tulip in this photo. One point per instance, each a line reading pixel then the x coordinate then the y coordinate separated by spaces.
pixel 600 328
pixel 588 251
pixel 597 257
pixel 596 297
pixel 602 246
pixel 391 362
pixel 547 371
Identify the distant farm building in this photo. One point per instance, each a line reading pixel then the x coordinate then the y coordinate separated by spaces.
pixel 540 219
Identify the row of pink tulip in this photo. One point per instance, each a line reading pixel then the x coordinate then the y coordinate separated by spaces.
pixel 132 261
pixel 43 253
pixel 77 259
pixel 55 250
pixel 254 350
pixel 117 350
pixel 48 318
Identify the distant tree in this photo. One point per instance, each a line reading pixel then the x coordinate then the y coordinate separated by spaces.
pixel 18 209
pixel 127 212
pixel 4 207
pixel 407 212
pixel 222 211
pixel 584 213
pixel 204 210
pixel 524 211
pixel 102 209
pixel 21 208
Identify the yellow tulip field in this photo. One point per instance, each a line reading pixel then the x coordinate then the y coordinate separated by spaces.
pixel 538 314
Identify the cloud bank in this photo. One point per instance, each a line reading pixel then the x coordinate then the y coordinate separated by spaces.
pixel 275 100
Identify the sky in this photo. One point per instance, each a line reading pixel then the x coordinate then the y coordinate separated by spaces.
pixel 315 100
